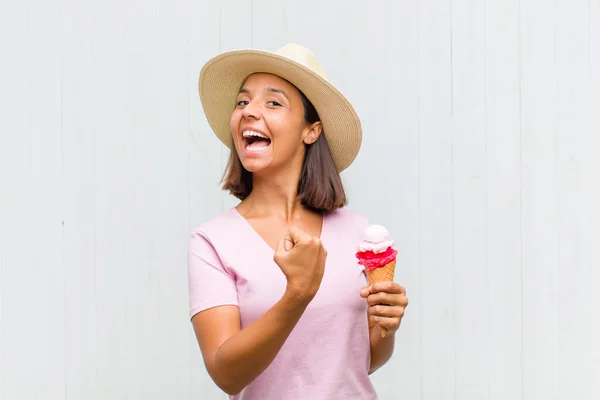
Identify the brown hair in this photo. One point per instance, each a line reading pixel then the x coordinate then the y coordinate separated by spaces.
pixel 320 187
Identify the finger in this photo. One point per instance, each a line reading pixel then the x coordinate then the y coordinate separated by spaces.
pixel 387 323
pixel 322 257
pixel 403 301
pixel 322 251
pixel 388 287
pixel 385 298
pixel 364 292
pixel 391 324
pixel 386 311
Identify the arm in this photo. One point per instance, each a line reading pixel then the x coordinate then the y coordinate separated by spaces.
pixel 234 357
pixel 382 348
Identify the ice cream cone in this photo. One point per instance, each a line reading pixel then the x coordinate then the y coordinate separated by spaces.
pixel 376 254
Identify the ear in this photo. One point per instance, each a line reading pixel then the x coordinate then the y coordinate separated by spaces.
pixel 313 132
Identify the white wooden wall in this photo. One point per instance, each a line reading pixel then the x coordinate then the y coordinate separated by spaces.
pixel 482 135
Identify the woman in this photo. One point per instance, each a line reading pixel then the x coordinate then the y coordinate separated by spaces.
pixel 278 302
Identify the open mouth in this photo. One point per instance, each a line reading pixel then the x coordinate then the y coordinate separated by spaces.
pixel 255 141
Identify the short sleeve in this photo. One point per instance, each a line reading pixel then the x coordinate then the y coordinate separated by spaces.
pixel 210 285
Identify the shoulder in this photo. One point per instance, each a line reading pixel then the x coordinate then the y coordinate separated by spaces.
pixel 217 228
pixel 216 223
pixel 346 219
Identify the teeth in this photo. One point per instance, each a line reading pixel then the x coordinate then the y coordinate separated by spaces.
pixel 248 134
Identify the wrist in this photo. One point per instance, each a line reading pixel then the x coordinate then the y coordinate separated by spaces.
pixel 297 297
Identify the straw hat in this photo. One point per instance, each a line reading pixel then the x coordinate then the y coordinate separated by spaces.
pixel 222 77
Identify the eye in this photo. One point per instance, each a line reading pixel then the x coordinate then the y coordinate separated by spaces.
pixel 242 103
pixel 274 103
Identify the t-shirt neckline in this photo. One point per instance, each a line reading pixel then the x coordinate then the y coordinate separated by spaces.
pixel 260 238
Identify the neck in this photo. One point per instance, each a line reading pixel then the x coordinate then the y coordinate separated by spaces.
pixel 276 195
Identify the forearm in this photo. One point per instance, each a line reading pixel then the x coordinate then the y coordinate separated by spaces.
pixel 248 353
pixel 382 348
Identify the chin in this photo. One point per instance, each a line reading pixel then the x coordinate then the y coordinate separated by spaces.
pixel 254 165
pixel 256 162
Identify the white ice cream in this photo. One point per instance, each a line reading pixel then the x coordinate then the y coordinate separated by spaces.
pixel 376 239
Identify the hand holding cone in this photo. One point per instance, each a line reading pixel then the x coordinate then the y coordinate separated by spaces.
pixel 376 254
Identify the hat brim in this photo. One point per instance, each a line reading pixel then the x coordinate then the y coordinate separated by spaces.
pixel 222 76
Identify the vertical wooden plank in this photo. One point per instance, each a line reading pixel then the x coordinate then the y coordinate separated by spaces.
pixel 572 168
pixel 392 143
pixel 44 233
pixel 540 209
pixel 469 181
pixel 503 160
pixel 594 190
pixel 17 239
pixel 436 201
pixel 140 36
pixel 115 265
pixel 78 196
pixel 141 33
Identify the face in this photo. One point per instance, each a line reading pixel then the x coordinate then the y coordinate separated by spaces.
pixel 268 125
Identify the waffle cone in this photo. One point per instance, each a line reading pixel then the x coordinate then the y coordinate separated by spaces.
pixel 385 273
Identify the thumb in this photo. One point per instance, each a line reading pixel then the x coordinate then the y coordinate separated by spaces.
pixel 281 247
pixel 288 244
pixel 291 238
pixel 285 245
pixel 294 234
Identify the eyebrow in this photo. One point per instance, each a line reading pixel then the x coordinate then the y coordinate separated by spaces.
pixel 269 89
pixel 273 90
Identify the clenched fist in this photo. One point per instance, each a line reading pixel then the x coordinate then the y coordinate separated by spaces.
pixel 301 258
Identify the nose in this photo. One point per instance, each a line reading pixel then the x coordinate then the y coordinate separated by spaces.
pixel 251 110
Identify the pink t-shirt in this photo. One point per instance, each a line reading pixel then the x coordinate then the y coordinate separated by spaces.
pixel 327 355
